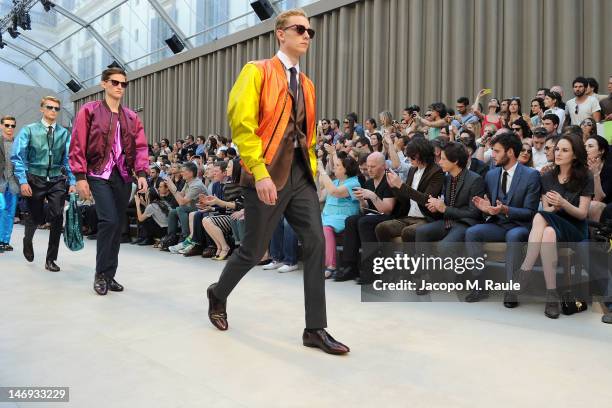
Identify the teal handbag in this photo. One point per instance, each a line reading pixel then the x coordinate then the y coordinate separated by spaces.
pixel 73 236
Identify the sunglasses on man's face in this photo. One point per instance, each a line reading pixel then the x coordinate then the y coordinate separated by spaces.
pixel 300 29
pixel 117 83
pixel 9 126
pixel 55 108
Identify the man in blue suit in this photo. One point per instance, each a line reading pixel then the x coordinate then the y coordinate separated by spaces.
pixel 514 192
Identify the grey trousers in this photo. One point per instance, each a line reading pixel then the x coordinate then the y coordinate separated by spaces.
pixel 299 203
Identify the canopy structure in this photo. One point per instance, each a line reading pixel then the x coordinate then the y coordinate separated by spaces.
pixel 72 41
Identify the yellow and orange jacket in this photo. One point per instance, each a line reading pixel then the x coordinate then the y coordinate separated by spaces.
pixel 259 110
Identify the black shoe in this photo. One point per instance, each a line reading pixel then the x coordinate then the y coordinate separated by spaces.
pixel 477 295
pixel 344 274
pixel 552 308
pixel 101 285
pixel 115 286
pixel 137 241
pixel 321 339
pixel 216 309
pixel 28 250
pixel 5 247
pixel 145 242
pixel 125 239
pixel 510 300
pixel 364 281
pixel 51 266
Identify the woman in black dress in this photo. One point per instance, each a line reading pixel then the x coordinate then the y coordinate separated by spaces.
pixel 567 191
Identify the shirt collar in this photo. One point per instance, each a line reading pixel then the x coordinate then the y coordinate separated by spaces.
pixel 511 170
pixel 287 62
pixel 46 125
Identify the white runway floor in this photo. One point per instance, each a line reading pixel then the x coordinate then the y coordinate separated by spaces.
pixel 152 345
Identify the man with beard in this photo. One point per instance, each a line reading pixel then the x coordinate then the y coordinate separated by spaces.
pixel 509 205
pixel 582 106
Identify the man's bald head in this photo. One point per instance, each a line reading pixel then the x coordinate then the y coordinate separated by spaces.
pixel 376 165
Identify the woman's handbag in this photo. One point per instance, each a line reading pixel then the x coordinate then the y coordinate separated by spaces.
pixel 73 235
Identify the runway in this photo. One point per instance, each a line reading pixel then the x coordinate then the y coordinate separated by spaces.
pixel 153 346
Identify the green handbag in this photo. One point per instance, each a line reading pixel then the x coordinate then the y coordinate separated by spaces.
pixel 73 236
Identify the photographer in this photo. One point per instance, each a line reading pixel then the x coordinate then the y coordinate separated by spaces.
pixel 154 220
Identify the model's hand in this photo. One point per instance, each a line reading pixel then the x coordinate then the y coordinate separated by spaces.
pixel 266 191
pixel 142 185
pixel 26 191
pixel 82 188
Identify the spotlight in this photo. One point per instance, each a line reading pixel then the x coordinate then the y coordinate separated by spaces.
pixel 48 5
pixel 13 32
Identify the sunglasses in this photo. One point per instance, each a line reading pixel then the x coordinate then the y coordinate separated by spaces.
pixel 117 83
pixel 300 29
pixel 6 125
pixel 576 111
pixel 346 122
pixel 55 108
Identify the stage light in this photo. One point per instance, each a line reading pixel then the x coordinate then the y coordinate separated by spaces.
pixel 47 5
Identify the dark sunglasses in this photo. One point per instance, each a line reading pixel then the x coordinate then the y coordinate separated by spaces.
pixel 55 108
pixel 6 125
pixel 576 111
pixel 300 29
pixel 117 83
pixel 346 122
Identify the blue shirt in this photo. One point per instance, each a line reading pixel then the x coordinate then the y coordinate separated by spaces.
pixel 337 210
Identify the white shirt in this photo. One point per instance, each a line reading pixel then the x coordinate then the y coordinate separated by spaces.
pixel 585 109
pixel 510 177
pixel 415 211
pixel 287 63
pixel 539 158
pixel 46 125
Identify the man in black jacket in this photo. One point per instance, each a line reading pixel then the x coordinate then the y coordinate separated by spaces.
pixel 425 179
pixel 457 208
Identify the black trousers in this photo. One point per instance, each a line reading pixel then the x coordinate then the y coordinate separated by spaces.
pixel 357 229
pixel 152 230
pixel 111 198
pixel 54 191
pixel 299 203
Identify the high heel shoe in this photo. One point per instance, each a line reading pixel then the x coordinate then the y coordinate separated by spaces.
pixel 222 255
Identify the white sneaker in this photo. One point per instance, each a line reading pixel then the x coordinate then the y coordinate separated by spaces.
pixel 272 265
pixel 176 248
pixel 287 268
pixel 186 249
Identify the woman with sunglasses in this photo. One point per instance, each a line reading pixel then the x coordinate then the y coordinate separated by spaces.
pixel 526 156
pixel 40 152
pixel 588 128
pixel 108 147
pixel 600 164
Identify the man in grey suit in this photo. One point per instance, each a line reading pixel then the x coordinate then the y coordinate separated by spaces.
pixel 511 201
pixel 457 208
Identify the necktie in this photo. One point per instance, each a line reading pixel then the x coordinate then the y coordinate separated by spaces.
pixel 505 182
pixel 293 81
pixel 50 140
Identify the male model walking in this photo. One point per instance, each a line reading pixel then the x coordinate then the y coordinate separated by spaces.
pixel 108 146
pixel 9 186
pixel 40 163
pixel 271 112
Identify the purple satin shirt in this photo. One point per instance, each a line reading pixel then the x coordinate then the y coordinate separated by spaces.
pixel 116 159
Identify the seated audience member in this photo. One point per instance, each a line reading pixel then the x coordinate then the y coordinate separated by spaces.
pixel 425 179
pixel 154 178
pixel 600 165
pixel 154 219
pixel 521 128
pixel 377 201
pixel 589 128
pixel 537 111
pixel 566 196
pixel 186 199
pixel 340 203
pixel 363 175
pixel 511 200
pixel 457 210
pixel 468 139
pixel 283 248
pixel 538 152
pixel 176 176
pixel 552 102
pixel 549 149
pixel 166 195
pixel 436 120
pixel 526 156
pixel 197 237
